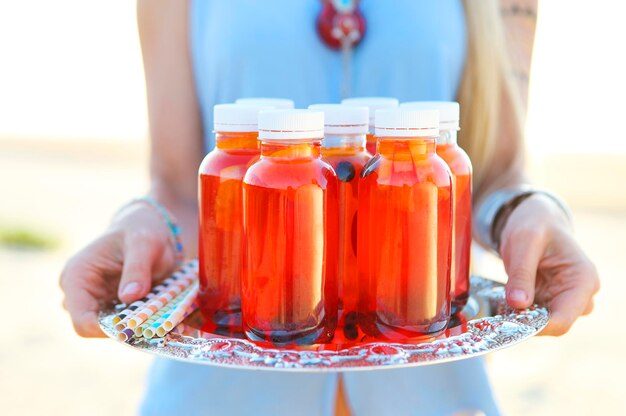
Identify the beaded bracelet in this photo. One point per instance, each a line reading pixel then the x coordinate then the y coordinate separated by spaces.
pixel 171 224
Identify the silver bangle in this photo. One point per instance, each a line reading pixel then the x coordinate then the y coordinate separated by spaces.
pixel 487 213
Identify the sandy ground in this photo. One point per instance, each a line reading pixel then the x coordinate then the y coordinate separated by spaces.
pixel 71 190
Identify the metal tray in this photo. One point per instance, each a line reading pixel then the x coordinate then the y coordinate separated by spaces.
pixel 486 324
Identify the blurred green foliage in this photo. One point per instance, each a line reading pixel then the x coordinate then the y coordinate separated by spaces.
pixel 24 237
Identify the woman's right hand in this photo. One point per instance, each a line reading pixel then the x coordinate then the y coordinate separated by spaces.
pixel 120 264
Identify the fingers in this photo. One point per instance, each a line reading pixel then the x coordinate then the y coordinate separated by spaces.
pixel 141 252
pixel 564 310
pixel 521 253
pixel 569 305
pixel 82 306
pixel 589 308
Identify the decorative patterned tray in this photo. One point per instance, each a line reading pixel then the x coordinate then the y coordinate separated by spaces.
pixel 486 324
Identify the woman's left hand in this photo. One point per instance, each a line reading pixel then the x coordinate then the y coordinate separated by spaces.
pixel 545 264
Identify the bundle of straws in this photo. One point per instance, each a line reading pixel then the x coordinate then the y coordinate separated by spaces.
pixel 167 305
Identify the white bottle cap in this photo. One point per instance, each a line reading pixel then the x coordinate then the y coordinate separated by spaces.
pixel 343 119
pixel 407 122
pixel 449 112
pixel 291 125
pixel 280 103
pixel 373 103
pixel 236 117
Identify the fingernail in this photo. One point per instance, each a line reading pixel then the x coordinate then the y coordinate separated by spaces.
pixel 131 288
pixel 518 295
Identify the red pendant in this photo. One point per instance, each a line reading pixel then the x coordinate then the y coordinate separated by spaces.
pixel 341 23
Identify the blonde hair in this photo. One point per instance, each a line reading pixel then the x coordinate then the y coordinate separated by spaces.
pixel 487 79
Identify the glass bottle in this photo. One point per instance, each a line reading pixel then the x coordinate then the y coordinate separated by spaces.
pixel 343 147
pixel 373 104
pixel 220 249
pixel 405 213
pixel 461 167
pixel 289 289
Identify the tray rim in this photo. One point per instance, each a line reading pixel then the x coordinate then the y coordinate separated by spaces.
pixel 482 289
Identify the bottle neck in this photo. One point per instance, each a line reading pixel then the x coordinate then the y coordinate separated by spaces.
pixel 229 141
pixel 398 147
pixel 447 137
pixel 344 141
pixel 285 149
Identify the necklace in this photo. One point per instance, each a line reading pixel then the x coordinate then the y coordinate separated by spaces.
pixel 341 26
pixel 341 23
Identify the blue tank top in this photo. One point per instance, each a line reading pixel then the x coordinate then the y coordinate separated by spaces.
pixel 413 50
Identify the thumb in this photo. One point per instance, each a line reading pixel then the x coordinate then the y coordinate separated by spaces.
pixel 521 253
pixel 141 250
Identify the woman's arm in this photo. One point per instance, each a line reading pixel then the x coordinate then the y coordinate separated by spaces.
pixel 519 18
pixel 175 124
pixel 137 246
pixel 540 254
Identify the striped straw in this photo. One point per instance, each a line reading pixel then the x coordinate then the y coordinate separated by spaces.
pixel 193 265
pixel 141 328
pixel 183 309
pixel 147 329
pixel 161 331
pixel 129 310
pixel 133 307
pixel 150 331
pixel 125 334
pixel 123 323
pixel 182 280
pixel 158 302
pixel 169 293
pixel 128 333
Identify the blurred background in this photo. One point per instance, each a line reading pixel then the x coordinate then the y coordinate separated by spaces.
pixel 73 148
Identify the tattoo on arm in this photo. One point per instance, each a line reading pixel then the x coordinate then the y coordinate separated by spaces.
pixel 519 10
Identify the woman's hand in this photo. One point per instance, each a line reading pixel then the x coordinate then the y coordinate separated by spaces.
pixel 119 264
pixel 545 264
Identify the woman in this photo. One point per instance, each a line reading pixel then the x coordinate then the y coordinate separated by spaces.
pixel 200 53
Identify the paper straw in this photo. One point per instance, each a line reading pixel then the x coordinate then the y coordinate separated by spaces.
pixel 156 303
pixel 193 265
pixel 150 331
pixel 131 310
pixel 128 312
pixel 181 312
pixel 155 290
pixel 161 331
pixel 125 334
pixel 147 329
pixel 139 330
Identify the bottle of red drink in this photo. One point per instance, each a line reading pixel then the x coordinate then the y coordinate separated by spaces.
pixel 343 147
pixel 405 229
pixel 221 213
pixel 461 168
pixel 289 289
pixel 373 104
pixel 277 103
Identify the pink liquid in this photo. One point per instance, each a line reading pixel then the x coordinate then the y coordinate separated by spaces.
pixel 461 169
pixel 405 230
pixel 289 289
pixel 221 231
pixel 347 163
